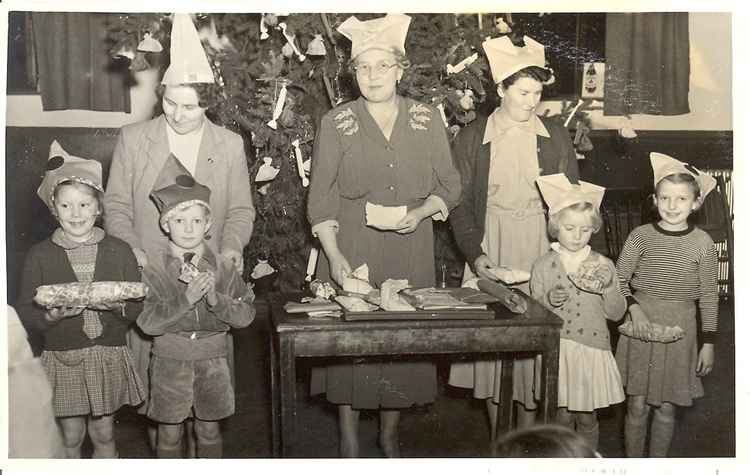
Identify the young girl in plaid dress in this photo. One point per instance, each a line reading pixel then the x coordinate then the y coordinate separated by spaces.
pixel 85 356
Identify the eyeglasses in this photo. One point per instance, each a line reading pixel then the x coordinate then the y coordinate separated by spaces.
pixel 379 68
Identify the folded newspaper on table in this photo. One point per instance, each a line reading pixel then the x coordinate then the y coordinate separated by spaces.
pixel 384 217
pixel 659 333
pixel 79 294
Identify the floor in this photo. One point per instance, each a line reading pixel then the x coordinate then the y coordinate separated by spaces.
pixel 454 426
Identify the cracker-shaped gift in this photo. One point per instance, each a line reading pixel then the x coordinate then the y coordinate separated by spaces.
pixel 93 294
pixel 659 333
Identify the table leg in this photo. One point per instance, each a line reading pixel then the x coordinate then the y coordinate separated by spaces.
pixel 288 394
pixel 275 432
pixel 504 421
pixel 550 368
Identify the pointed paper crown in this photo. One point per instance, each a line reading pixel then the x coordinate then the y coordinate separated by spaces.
pixel 505 58
pixel 560 193
pixel 175 188
pixel 188 62
pixel 61 167
pixel 664 165
pixel 387 33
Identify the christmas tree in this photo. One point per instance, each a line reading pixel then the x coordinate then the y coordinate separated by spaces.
pixel 276 75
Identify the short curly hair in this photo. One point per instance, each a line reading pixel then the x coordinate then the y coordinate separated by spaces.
pixel 553 225
pixel 208 93
pixel 402 60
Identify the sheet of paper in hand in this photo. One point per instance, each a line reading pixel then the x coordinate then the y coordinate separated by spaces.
pixel 510 276
pixel 78 294
pixel 358 282
pixel 383 217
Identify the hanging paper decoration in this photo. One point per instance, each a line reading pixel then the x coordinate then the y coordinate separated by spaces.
pixel 462 65
pixel 316 46
pixel 263 28
pixel 501 26
pixel 267 172
pixel 287 51
pixel 467 99
pixel 264 189
pixel 279 106
pixel 218 43
pixel 300 165
pixel 626 131
pixel 149 44
pixel 306 166
pixel 290 41
pixel 262 269
pixel 125 52
pixel 441 108
pixel 572 113
pixel 312 262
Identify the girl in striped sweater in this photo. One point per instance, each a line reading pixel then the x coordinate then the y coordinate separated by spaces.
pixel 664 268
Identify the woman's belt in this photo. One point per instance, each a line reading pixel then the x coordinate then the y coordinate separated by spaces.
pixel 519 214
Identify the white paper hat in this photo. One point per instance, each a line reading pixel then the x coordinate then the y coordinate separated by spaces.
pixel 505 58
pixel 664 165
pixel 387 33
pixel 188 63
pixel 559 193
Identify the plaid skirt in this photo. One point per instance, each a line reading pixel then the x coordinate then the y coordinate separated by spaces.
pixel 97 380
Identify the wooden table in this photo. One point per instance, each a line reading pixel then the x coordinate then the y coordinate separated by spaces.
pixel 295 335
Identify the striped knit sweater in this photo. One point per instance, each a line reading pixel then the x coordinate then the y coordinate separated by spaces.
pixel 672 265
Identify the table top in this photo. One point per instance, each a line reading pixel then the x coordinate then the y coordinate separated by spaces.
pixel 536 315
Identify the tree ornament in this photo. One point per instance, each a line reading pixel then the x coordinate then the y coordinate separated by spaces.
pixel 287 51
pixel 462 65
pixel 264 189
pixel 263 28
pixel 262 269
pixel 441 108
pixel 290 41
pixel 501 26
pixel 316 46
pixel 312 263
pixel 271 19
pixel 279 106
pixel 267 172
pixel 125 52
pixel 300 164
pixel 149 44
pixel 209 35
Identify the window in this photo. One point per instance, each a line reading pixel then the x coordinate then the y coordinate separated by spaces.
pixel 570 39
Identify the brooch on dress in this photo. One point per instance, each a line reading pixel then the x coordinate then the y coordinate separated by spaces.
pixel 346 122
pixel 419 115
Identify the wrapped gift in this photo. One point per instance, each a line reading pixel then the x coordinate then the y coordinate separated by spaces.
pixel 79 294
pixel 659 333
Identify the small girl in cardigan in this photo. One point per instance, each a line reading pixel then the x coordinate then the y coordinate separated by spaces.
pixel 664 269
pixel 579 285
pixel 85 356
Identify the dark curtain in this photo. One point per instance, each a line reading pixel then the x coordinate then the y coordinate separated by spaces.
pixel 75 69
pixel 648 65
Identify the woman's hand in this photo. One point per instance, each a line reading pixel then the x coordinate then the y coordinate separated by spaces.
pixel 558 296
pixel 55 314
pixel 483 267
pixel 705 359
pixel 235 257
pixel 641 324
pixel 198 287
pixel 409 223
pixel 339 268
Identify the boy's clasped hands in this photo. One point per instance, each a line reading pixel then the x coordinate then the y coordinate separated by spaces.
pixel 204 284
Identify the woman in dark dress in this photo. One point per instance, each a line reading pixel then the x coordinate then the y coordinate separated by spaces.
pixel 387 150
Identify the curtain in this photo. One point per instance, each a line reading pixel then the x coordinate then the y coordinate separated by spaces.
pixel 648 66
pixel 75 69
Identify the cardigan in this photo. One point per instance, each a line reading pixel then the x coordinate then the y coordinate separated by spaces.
pixel 472 159
pixel 139 155
pixel 47 263
pixel 584 314
pixel 167 310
